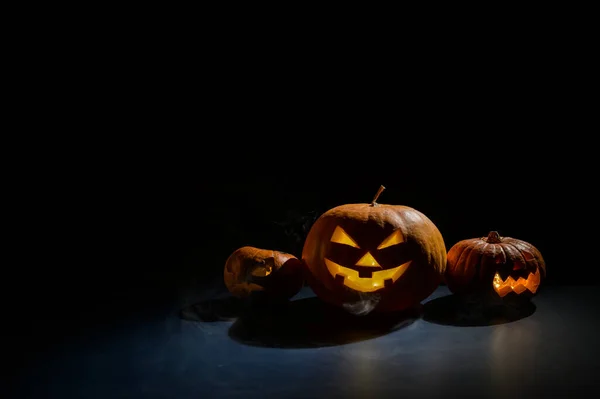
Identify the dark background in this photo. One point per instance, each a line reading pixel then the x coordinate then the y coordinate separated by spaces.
pixel 167 156
pixel 137 157
pixel 112 232
pixel 119 228
pixel 159 180
pixel 115 235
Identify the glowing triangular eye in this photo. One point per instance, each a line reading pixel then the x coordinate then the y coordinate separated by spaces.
pixel 341 237
pixel 393 239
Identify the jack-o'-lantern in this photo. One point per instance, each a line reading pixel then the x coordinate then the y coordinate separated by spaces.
pixel 390 252
pixel 501 266
pixel 251 271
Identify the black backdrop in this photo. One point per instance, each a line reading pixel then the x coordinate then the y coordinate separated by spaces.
pixel 136 175
pixel 273 208
pixel 118 228
pixel 143 223
pixel 147 205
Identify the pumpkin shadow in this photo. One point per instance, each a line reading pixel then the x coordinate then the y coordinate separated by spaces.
pixel 310 323
pixel 451 310
pixel 227 308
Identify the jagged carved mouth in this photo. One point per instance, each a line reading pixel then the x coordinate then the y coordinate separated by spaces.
pixel 378 280
pixel 504 287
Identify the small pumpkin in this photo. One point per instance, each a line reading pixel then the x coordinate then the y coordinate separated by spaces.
pixel 391 252
pixel 504 267
pixel 251 271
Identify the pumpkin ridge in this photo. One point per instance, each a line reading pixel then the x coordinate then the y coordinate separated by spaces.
pixel 478 267
pixel 503 253
pixel 456 251
pixel 518 251
pixel 464 255
pixel 254 252
pixel 530 251
pixel 470 265
pixel 537 255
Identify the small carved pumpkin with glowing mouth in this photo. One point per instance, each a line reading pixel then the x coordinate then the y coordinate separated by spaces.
pixel 265 273
pixel 392 251
pixel 496 265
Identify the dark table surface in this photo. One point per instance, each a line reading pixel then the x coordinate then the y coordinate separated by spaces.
pixel 221 348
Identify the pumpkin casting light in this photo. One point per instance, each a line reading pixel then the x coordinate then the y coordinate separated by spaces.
pixel 500 265
pixel 392 251
pixel 251 271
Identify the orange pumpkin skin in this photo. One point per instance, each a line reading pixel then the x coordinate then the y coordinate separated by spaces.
pixel 502 267
pixel 417 246
pixel 251 271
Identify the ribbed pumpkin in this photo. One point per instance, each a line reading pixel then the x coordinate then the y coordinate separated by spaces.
pixel 503 266
pixel 393 253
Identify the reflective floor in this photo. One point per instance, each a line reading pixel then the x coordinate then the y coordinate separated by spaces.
pixel 226 349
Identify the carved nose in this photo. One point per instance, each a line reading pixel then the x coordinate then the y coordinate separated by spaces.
pixel 367 260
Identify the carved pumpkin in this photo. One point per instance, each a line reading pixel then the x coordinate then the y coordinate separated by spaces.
pixel 494 265
pixel 390 252
pixel 271 274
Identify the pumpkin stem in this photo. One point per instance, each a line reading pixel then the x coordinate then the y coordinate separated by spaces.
pixel 374 202
pixel 493 238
